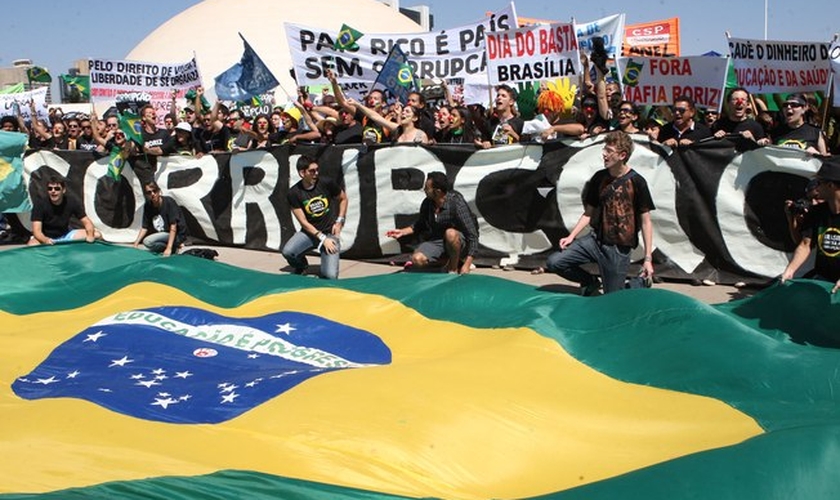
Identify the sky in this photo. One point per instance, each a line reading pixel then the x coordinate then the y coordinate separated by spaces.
pixel 55 33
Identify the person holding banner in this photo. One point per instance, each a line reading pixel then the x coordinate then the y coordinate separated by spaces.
pixel 796 132
pixel 736 120
pixel 821 229
pixel 684 130
pixel 617 204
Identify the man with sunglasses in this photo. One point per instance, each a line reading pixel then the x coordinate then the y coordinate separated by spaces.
pixel 796 132
pixel 684 130
pixel 821 229
pixel 51 217
pixel 320 206
pixel 86 141
pixel 737 120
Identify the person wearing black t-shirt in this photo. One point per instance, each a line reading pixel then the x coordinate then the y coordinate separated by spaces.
pixel 796 132
pixel 51 217
pixel 617 205
pixel 164 229
pixel 735 120
pixel 821 229
pixel 320 206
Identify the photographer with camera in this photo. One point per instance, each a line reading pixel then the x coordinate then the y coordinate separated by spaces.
pixel 820 228
pixel 795 210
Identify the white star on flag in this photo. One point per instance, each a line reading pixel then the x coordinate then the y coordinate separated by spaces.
pixel 183 374
pixel 164 403
pixel 46 381
pixel 73 374
pixel 120 362
pixel 286 328
pixel 228 398
pixel 93 337
pixel 148 383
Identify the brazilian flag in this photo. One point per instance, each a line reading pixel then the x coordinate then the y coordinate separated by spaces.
pixel 128 375
pixel 38 74
pixel 632 71
pixel 78 82
pixel 347 38
pixel 132 126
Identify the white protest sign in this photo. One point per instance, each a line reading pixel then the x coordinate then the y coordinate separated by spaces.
pixel 610 29
pixel 766 67
pixel 21 100
pixel 533 53
pixel 443 54
pixel 658 81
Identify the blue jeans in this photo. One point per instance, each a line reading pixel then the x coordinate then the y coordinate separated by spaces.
pixel 156 242
pixel 301 242
pixel 613 262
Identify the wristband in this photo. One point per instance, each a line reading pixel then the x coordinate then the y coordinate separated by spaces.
pixel 321 236
pixel 340 220
pixel 648 258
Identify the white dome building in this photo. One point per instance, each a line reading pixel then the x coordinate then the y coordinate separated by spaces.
pixel 210 30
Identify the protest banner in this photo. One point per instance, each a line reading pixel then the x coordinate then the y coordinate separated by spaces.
pixel 442 54
pixel 532 53
pixel 658 81
pixel 610 29
pixel 9 103
pixel 653 39
pixel 765 66
pixel 122 82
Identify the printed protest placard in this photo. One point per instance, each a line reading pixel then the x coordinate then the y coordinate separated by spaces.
pixel 658 81
pixel 769 67
pixel 653 39
pixel 456 53
pixel 533 53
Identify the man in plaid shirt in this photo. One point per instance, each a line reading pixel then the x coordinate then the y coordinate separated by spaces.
pixel 451 225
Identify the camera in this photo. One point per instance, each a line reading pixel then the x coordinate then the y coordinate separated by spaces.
pixel 800 206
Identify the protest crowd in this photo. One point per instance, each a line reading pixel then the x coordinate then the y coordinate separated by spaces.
pixel 593 103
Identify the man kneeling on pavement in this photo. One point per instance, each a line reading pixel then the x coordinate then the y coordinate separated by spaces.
pixel 617 204
pixel 451 225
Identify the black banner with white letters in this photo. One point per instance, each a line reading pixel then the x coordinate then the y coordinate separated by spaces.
pixel 719 209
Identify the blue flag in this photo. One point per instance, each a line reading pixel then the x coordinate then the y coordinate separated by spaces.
pixel 245 79
pixel 397 76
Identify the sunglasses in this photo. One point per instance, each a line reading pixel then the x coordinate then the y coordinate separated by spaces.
pixel 680 110
pixel 149 193
pixel 626 110
pixel 53 188
pixel 791 105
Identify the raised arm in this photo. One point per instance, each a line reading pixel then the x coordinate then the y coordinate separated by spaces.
pixel 340 98
pixel 374 116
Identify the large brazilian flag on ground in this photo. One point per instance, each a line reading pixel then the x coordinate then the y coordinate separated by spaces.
pixel 126 375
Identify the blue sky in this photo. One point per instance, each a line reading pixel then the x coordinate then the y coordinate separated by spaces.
pixel 55 33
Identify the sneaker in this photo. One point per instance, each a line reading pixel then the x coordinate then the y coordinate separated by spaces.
pixel 591 289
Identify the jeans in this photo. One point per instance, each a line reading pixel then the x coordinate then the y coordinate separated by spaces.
pixel 613 262
pixel 156 242
pixel 301 242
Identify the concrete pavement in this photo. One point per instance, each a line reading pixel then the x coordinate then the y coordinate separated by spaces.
pixel 273 262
